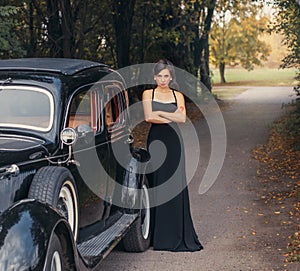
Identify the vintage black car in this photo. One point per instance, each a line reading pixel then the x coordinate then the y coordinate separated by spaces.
pixel 72 183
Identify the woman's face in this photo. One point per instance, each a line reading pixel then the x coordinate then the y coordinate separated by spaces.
pixel 163 78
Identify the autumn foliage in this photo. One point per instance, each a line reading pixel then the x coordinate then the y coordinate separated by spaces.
pixel 281 165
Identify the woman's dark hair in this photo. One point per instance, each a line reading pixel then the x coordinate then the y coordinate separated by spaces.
pixel 166 64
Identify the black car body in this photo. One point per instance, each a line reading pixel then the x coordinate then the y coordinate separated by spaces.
pixel 72 184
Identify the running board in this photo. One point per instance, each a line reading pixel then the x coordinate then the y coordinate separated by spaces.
pixel 97 248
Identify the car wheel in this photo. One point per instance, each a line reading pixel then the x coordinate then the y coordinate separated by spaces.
pixel 54 258
pixel 56 186
pixel 139 236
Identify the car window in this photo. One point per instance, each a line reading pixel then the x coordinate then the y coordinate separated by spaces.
pixel 114 106
pixel 26 107
pixel 102 105
pixel 86 108
pixel 81 110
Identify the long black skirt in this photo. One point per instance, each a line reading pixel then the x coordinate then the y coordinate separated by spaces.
pixel 172 224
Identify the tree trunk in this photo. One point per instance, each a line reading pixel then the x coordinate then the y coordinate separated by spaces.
pixel 32 44
pixel 142 51
pixel 54 29
pixel 222 72
pixel 81 29
pixel 123 15
pixel 196 43
pixel 202 46
pixel 67 26
pixel 204 67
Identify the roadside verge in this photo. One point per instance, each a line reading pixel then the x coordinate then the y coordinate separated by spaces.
pixel 279 172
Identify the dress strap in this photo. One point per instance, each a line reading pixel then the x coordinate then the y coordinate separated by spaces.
pixel 174 95
pixel 153 94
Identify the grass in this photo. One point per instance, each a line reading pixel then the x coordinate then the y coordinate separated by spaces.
pixel 257 77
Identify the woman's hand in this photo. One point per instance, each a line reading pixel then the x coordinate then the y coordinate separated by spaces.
pixel 161 116
pixel 151 116
pixel 180 114
pixel 177 116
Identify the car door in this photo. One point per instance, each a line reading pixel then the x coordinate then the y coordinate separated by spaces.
pixel 90 151
pixel 119 137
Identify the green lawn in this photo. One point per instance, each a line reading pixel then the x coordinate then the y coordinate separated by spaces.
pixel 257 77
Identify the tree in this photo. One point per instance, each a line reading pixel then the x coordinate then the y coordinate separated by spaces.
pixel 288 24
pixel 204 11
pixel 123 12
pixel 175 29
pixel 235 36
pixel 10 45
pixel 120 33
pixel 62 28
pixel 159 32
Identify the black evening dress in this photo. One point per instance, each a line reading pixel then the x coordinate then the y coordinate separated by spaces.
pixel 172 224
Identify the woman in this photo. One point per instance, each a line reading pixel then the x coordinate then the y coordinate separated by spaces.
pixel 164 107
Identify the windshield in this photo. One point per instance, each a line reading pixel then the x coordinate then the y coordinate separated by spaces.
pixel 26 107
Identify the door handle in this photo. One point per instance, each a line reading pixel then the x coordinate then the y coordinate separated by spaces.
pixel 129 140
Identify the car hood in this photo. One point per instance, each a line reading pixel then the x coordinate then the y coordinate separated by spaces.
pixel 15 149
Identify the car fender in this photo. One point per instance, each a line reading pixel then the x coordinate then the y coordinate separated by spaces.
pixel 25 232
pixel 132 178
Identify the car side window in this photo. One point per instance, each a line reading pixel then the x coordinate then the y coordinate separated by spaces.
pixel 114 105
pixel 85 109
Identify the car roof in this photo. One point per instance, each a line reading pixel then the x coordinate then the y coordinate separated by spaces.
pixel 65 66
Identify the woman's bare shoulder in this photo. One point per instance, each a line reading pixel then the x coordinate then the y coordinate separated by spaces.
pixel 147 92
pixel 178 93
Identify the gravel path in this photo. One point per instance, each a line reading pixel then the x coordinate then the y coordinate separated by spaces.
pixel 238 231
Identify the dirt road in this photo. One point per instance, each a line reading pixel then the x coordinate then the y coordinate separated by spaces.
pixel 238 231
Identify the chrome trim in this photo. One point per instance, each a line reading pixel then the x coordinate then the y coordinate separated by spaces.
pixel 19 138
pixel 11 170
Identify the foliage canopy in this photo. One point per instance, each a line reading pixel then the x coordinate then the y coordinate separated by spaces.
pixel 10 46
pixel 121 33
pixel 288 23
